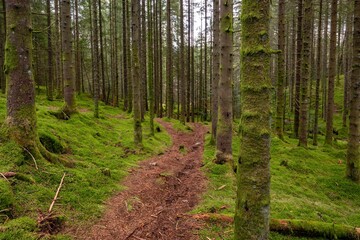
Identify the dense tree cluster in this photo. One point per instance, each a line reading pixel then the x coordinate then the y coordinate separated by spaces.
pixel 194 61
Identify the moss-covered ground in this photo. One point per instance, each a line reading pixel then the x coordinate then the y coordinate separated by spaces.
pixel 307 184
pixel 98 147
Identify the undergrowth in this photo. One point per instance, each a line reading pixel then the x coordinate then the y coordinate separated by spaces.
pixel 103 152
pixel 307 184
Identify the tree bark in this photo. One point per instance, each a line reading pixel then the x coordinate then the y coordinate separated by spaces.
pixel 281 72
pixel 151 66
pixel 332 72
pixel 96 58
pixel 318 78
pixel 305 73
pixel 135 34
pixel 170 88
pixel 298 68
pixel 252 209
pixel 216 70
pixel 353 152
pixel 182 66
pixel 21 112
pixel 66 39
pixel 2 46
pixel 224 125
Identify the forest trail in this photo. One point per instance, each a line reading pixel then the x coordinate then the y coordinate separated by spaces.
pixel 159 194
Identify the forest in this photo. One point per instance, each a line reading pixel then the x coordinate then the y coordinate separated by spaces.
pixel 187 119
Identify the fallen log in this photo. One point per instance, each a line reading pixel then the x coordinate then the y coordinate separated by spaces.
pixel 295 227
pixel 314 229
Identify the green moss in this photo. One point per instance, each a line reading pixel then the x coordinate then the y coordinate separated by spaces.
pixel 11 58
pixel 6 198
pixel 22 223
pixel 51 143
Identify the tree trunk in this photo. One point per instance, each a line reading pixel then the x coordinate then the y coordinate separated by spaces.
pixel 318 79
pixel 125 50
pixel 77 50
pixel 2 46
pixel 353 152
pixel 205 89
pixel 216 70
pixel 96 58
pixel 332 72
pixel 58 62
pixel 170 88
pixel 21 111
pixel 252 210
pixel 182 66
pixel 325 69
pixel 66 39
pixel 151 66
pixel 347 65
pixel 143 61
pixel 135 34
pixel 102 77
pixel 128 57
pixel 224 125
pixel 305 73
pixel 281 74
pixel 50 80
pixel 298 68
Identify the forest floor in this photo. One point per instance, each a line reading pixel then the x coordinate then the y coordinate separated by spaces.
pixel 158 194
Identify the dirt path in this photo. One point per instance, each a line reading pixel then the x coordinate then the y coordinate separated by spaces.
pixel 158 194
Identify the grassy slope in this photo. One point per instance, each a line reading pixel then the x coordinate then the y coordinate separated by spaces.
pixel 311 187
pixel 94 144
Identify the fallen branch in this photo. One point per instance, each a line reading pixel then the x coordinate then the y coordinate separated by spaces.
pixel 33 158
pixel 57 193
pixel 295 227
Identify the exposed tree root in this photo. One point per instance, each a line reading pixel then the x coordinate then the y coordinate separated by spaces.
pixel 295 227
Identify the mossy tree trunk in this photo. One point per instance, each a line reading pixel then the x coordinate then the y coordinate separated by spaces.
pixel 305 73
pixel 135 33
pixel 252 210
pixel 281 72
pixel 66 39
pixel 332 72
pixel 353 153
pixel 224 125
pixel 21 122
pixel 216 70
pixel 21 111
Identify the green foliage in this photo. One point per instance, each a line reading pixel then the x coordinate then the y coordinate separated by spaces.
pixel 95 145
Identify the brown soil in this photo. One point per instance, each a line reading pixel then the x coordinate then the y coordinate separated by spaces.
pixel 159 194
